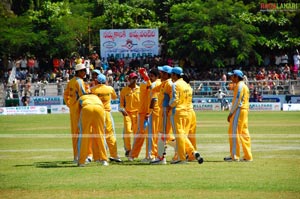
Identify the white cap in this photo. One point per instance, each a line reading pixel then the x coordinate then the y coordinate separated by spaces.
pixel 79 67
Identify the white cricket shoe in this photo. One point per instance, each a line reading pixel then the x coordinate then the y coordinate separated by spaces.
pixel 102 162
pixel 88 160
pixel 159 161
pixel 229 159
pixel 117 159
pixel 130 159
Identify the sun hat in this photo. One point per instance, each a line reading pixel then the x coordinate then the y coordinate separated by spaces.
pixel 177 70
pixel 238 73
pixel 96 71
pixel 79 67
pixel 165 68
pixel 101 78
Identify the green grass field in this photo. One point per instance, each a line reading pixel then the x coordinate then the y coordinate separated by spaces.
pixel 36 162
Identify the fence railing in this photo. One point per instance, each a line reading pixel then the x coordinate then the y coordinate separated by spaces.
pixel 270 87
pixel 200 88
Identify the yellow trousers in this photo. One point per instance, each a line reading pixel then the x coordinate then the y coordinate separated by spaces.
pixel 191 127
pixel 239 134
pixel 91 116
pixel 74 118
pixel 130 128
pixel 151 142
pixel 183 144
pixel 110 136
pixel 139 137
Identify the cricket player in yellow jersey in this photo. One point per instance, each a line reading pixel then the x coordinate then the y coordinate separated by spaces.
pixel 178 105
pixel 153 81
pixel 164 126
pixel 75 89
pixel 93 83
pixel 129 104
pixel 238 120
pixel 106 94
pixel 154 116
pixel 143 115
pixel 92 114
pixel 191 125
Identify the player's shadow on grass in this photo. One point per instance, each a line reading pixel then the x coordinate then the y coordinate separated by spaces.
pixel 54 164
pixel 215 161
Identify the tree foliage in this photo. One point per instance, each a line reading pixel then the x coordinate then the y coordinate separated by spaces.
pixel 211 29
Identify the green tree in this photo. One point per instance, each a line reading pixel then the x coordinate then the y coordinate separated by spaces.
pixel 210 31
pixel 277 30
pixel 48 13
pixel 67 35
pixel 17 36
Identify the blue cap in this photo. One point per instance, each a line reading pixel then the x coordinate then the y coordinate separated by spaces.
pixel 101 78
pixel 177 70
pixel 238 73
pixel 96 71
pixel 165 68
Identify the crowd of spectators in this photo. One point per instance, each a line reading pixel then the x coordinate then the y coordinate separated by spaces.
pixel 38 73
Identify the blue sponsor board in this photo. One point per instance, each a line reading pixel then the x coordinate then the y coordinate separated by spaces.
pixel 45 101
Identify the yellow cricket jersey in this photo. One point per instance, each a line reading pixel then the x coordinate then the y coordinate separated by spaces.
pixel 163 91
pixel 90 99
pixel 189 98
pixel 144 105
pixel 105 94
pixel 130 99
pixel 159 90
pixel 240 97
pixel 154 94
pixel 167 90
pixel 75 89
pixel 179 95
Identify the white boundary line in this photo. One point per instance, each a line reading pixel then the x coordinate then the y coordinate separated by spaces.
pixel 200 135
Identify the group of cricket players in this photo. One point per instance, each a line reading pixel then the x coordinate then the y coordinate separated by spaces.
pixel 158 111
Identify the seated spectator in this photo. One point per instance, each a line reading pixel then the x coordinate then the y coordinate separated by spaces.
pixel 274 75
pixel 260 76
pixel 206 90
pixel 25 100
pixel 266 88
